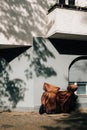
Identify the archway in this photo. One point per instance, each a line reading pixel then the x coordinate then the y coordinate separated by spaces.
pixel 78 74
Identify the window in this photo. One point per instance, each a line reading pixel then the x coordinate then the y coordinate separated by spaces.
pixel 78 74
pixel 71 2
pixel 82 87
pixel 61 1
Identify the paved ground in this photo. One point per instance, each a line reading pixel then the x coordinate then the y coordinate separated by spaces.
pixel 35 121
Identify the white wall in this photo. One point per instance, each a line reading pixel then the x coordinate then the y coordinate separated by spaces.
pixel 59 63
pixel 78 71
pixel 19 23
pixel 21 20
pixel 19 66
pixel 82 3
pixel 66 21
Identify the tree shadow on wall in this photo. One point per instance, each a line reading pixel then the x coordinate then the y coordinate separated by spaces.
pixel 19 19
pixel 41 55
pixel 11 91
pixel 15 89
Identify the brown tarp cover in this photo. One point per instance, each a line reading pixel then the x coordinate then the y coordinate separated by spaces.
pixel 55 101
pixel 50 88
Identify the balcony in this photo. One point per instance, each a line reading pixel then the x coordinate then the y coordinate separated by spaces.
pixel 67 22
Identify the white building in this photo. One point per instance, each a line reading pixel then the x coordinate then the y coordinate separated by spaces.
pixel 41 44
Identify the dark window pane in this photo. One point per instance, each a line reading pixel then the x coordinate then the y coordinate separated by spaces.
pixel 71 2
pixel 61 1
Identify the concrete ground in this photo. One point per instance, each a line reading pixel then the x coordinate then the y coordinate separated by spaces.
pixel 35 121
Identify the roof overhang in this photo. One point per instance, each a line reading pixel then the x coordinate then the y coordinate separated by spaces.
pixel 12 46
pixel 67 36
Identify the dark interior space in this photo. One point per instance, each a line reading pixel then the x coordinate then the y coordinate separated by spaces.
pixel 71 47
pixel 11 53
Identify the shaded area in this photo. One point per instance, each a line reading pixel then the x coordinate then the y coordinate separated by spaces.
pixel 16 89
pixel 75 121
pixel 71 47
pixel 18 19
pixel 28 121
pixel 7 126
pixel 11 53
pixel 11 91
pixel 41 54
pixel 39 58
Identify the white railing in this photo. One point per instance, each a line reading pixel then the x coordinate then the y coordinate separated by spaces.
pixel 68 22
pixel 81 3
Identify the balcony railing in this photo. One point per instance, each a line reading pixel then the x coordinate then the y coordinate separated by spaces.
pixel 70 2
pixel 81 3
pixel 71 5
pixel 67 22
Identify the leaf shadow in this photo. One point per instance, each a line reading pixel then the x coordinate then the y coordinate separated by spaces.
pixel 18 19
pixel 41 55
pixel 11 91
pixel 76 121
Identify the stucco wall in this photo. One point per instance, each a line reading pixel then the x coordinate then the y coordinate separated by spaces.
pixel 17 82
pixel 38 64
pixel 59 64
pixel 21 70
pixel 66 21
pixel 55 70
pixel 78 71
pixel 21 20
